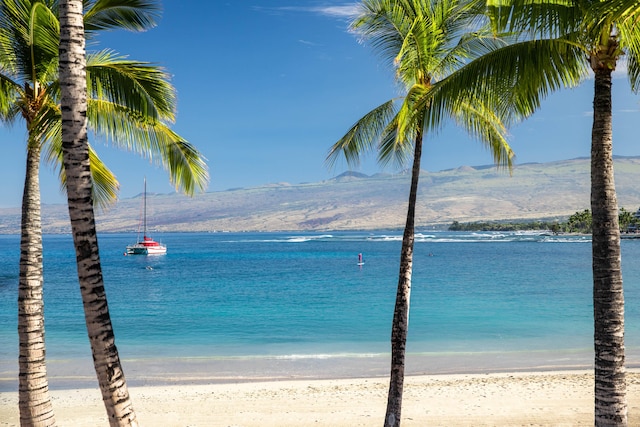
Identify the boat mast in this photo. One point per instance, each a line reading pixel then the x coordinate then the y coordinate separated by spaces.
pixel 144 202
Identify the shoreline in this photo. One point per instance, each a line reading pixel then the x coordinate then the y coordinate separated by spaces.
pixel 76 373
pixel 546 398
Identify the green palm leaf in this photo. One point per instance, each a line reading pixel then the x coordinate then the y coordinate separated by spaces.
pixel 133 15
pixel 49 127
pixel 139 86
pixel 363 135
pixel 482 123
pixel 150 138
pixel 630 41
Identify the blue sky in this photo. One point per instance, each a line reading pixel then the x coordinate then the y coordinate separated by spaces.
pixel 266 87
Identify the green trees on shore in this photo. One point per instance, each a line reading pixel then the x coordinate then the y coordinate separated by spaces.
pixel 579 222
pixel 502 226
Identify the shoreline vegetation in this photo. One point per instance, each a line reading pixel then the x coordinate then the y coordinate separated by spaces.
pixel 578 223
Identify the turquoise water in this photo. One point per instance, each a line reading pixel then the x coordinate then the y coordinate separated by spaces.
pixel 224 306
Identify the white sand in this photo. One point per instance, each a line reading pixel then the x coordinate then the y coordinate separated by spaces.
pixel 563 398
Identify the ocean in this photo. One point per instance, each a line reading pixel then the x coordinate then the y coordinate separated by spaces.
pixel 245 306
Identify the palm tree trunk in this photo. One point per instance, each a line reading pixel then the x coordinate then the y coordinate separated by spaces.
pixel 34 401
pixel 400 325
pixel 79 193
pixel 608 298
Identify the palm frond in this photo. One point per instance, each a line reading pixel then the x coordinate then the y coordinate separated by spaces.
pixel 633 71
pixel 535 18
pixel 44 33
pixel 133 15
pixel 14 20
pixel 47 127
pixel 188 171
pixel 427 108
pixel 48 79
pixel 420 51
pixel 411 114
pixel 9 94
pixel 30 37
pixel 373 24
pixel 8 58
pixel 629 35
pixel 139 86
pixel 186 166
pixel 482 124
pixel 393 149
pixel 471 45
pixel 619 11
pixel 152 139
pixel 515 79
pixel 363 136
pixel 105 184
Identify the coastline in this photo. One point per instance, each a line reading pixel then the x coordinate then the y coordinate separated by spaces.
pixel 550 398
pixel 78 373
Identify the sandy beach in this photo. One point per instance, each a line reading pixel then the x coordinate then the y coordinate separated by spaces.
pixel 559 398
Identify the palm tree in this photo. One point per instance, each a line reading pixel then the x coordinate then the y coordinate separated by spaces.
pixel 130 103
pixel 34 402
pixel 73 103
pixel 430 43
pixel 594 36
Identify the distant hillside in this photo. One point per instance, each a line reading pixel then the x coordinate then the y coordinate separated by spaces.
pixel 358 201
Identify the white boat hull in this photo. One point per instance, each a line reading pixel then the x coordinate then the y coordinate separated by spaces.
pixel 147 247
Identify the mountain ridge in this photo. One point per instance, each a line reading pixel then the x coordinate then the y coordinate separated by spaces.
pixel 353 200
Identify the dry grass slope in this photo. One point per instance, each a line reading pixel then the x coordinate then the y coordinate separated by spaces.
pixel 353 201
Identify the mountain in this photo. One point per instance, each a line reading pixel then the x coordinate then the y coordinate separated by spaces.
pixel 357 201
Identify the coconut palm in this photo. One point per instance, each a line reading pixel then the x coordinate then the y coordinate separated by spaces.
pixel 430 44
pixel 130 103
pixel 595 36
pixel 75 148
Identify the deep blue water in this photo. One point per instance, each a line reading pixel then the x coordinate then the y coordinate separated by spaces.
pixel 237 302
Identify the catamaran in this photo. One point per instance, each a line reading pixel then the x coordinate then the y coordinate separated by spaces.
pixel 146 246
